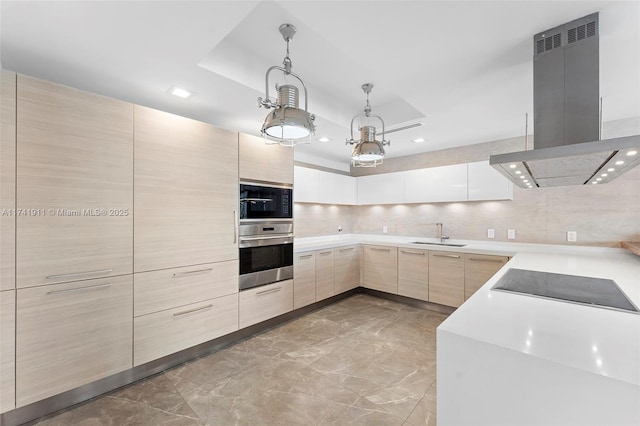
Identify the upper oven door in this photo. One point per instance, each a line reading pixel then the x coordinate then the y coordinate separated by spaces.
pixel 265 202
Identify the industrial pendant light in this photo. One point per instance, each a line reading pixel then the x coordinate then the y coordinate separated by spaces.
pixel 368 152
pixel 288 124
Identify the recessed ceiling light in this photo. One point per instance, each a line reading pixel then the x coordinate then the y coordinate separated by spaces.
pixel 180 92
pixel 619 163
pixel 324 139
pixel 631 153
pixel 418 140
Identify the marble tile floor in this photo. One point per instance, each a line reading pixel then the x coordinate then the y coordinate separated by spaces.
pixel 361 361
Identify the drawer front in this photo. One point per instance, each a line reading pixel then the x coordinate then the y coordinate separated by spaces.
pixel 72 334
pixel 7 350
pixel 478 269
pixel 381 268
pixel 261 303
pixel 160 290
pixel 304 275
pixel 166 332
pixel 347 268
pixel 413 273
pixel 446 278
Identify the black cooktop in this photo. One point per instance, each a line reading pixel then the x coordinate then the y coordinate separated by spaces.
pixel 590 291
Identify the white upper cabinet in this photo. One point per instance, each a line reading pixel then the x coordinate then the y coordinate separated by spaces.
pixel 387 188
pixel 317 186
pixel 486 183
pixel 436 184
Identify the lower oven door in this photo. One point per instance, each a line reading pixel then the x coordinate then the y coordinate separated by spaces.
pixel 265 264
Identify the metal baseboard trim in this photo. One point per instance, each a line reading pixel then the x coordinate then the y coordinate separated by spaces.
pixel 86 392
pixel 416 303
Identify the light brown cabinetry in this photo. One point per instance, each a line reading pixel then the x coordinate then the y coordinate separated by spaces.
pixel 7 180
pixel 325 286
pixel 413 273
pixel 264 162
pixel 446 278
pixel 268 301
pixel 346 268
pixel 7 350
pixel 75 173
pixel 186 185
pixel 72 334
pixel 165 332
pixel 304 279
pixel 478 269
pixel 381 268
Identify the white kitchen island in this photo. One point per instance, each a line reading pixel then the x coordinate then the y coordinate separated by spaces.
pixel 513 359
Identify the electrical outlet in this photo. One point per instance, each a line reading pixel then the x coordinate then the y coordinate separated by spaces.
pixel 511 234
pixel 384 229
pixel 339 228
pixel 572 236
pixel 491 233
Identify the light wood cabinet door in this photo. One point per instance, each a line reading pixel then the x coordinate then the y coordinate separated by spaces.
pixel 7 350
pixel 381 268
pixel 478 269
pixel 446 278
pixel 325 284
pixel 72 334
pixel 268 301
pixel 165 332
pixel 264 162
pixel 7 180
pixel 304 279
pixel 75 169
pixel 169 288
pixel 347 268
pixel 186 185
pixel 413 273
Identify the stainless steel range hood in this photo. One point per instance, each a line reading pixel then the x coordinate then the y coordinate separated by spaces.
pixel 567 146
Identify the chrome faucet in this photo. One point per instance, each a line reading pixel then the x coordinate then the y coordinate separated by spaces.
pixel 439 233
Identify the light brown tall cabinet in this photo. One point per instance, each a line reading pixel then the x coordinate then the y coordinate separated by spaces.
pixel 74 247
pixel 265 162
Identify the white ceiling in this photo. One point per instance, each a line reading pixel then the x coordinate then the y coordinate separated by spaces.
pixel 462 68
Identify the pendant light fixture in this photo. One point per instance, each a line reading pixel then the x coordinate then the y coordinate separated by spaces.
pixel 287 124
pixel 368 152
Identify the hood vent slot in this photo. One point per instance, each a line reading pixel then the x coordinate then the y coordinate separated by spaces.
pixel 548 43
pixel 581 32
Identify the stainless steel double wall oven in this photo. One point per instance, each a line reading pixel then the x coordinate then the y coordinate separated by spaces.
pixel 265 233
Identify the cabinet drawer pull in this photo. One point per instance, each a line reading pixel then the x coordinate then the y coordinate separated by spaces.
pixel 306 256
pixel 202 308
pixel 347 249
pixel 477 259
pixel 271 290
pixel 197 271
pixel 324 253
pixel 379 249
pixel 447 255
pixel 88 287
pixel 421 253
pixel 235 228
pixel 79 274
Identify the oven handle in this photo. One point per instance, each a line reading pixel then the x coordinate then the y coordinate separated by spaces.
pixel 266 237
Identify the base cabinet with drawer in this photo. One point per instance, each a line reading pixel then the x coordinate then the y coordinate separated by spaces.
pixel 446 278
pixel 178 308
pixel 304 279
pixel 325 286
pixel 72 334
pixel 413 273
pixel 346 268
pixel 268 301
pixel 380 268
pixel 478 269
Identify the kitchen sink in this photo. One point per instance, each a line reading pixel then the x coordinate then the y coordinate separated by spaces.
pixel 438 244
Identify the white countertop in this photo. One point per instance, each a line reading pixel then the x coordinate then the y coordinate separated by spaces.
pixel 597 340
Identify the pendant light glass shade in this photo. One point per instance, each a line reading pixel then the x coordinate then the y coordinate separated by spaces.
pixel 287 124
pixel 367 152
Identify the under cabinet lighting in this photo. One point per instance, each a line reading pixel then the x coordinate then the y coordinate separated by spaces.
pixel 518 172
pixel 604 175
pixel 324 139
pixel 418 140
pixel 180 92
pixel 611 169
pixel 619 163
pixel 512 166
pixel 631 153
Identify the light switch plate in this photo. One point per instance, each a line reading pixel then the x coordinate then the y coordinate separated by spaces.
pixel 572 236
pixel 384 229
pixel 491 233
pixel 511 234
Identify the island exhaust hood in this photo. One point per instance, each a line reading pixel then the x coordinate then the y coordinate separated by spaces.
pixel 568 149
